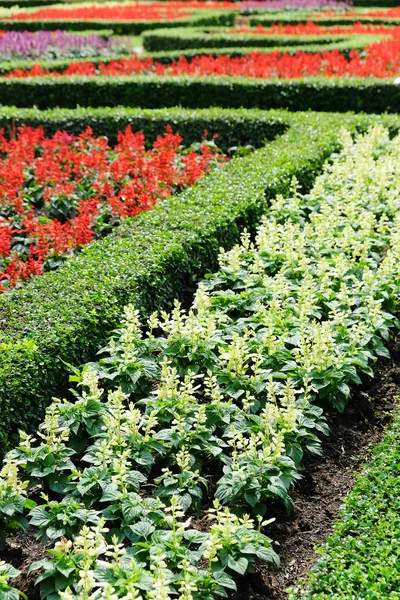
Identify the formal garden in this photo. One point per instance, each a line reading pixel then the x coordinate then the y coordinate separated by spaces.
pixel 199 300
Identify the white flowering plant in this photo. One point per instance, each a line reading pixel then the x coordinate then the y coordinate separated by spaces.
pixel 218 405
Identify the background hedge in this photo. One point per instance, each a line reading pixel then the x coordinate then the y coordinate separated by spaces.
pixel 234 127
pixel 150 260
pixel 201 17
pixel 182 39
pixel 345 47
pixel 151 91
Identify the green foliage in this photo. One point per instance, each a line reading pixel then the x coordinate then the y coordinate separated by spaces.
pixel 167 56
pixel 233 387
pixel 7 592
pixel 361 558
pixel 149 261
pixel 234 127
pixel 197 37
pixel 345 47
pixel 293 17
pixel 202 17
pixel 152 91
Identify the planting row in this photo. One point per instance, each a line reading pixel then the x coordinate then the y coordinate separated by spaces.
pixel 295 36
pixel 218 404
pixel 45 45
pixel 122 18
pixel 361 558
pixel 379 59
pixel 154 257
pixel 59 193
pixel 135 18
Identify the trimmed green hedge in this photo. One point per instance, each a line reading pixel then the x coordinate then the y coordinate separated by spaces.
pixel 25 3
pixel 202 17
pixel 234 127
pixel 152 91
pixel 345 47
pixel 287 18
pixel 362 557
pixel 148 261
pixel 181 39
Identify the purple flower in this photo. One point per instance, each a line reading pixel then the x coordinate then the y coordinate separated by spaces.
pixel 56 44
pixel 275 5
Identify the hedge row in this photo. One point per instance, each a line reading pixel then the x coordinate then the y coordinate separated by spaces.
pixel 54 64
pixel 148 261
pixel 25 3
pixel 181 39
pixel 167 57
pixel 151 91
pixel 288 18
pixel 234 127
pixel 361 559
pixel 203 17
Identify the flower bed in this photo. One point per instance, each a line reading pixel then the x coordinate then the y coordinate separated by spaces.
pixel 153 258
pixel 278 5
pixel 289 38
pixel 380 60
pixel 56 44
pixel 228 393
pixel 314 29
pixel 59 193
pixel 120 12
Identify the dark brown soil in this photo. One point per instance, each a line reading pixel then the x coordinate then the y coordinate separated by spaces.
pixel 326 480
pixel 317 497
pixel 21 551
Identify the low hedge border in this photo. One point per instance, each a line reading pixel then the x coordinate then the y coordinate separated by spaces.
pixel 344 47
pixel 203 17
pixel 181 39
pixel 25 3
pixel 234 127
pixel 361 559
pixel 147 261
pixel 152 91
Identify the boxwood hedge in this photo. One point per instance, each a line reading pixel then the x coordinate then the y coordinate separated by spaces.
pixel 302 17
pixel 159 255
pixel 152 91
pixel 345 47
pixel 234 127
pixel 197 37
pixel 203 17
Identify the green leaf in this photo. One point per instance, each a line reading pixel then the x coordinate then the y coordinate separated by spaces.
pixel 240 565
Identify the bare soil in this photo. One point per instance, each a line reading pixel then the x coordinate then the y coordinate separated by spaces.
pixel 317 497
pixel 326 481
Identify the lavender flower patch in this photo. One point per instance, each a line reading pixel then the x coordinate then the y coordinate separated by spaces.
pixel 277 5
pixel 57 44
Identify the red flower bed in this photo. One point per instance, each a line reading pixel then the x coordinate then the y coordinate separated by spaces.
pixel 311 28
pixel 59 193
pixel 134 12
pixel 382 60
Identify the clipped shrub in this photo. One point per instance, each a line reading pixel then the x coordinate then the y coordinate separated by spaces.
pixel 151 259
